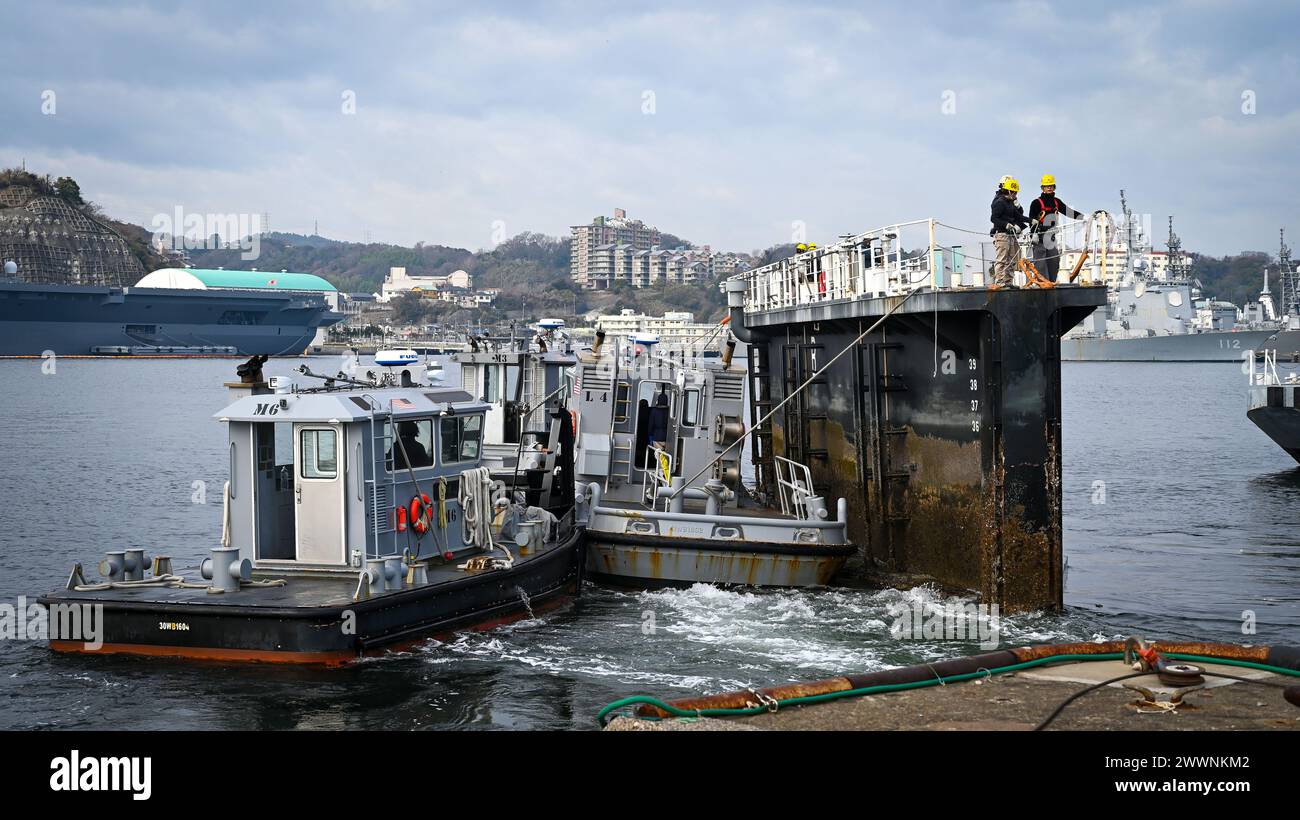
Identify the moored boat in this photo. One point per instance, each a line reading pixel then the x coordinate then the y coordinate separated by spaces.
pixel 358 516
pixel 658 462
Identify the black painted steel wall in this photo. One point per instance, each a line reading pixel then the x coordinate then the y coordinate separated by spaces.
pixel 941 428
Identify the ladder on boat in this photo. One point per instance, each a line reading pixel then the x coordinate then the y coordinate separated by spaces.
pixel 614 418
pixel 760 403
pixel 379 491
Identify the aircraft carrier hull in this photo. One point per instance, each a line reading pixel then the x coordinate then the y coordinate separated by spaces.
pixel 75 320
pixel 1227 346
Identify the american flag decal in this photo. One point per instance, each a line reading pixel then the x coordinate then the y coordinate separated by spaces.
pixel 577 384
pixel 403 404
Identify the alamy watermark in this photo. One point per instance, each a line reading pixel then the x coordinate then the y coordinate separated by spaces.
pixel 181 231
pixel 921 621
pixel 58 622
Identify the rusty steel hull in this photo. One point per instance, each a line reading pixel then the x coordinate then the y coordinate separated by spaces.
pixel 658 561
pixel 942 429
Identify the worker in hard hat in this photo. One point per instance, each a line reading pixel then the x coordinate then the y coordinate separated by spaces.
pixel 1007 218
pixel 1044 216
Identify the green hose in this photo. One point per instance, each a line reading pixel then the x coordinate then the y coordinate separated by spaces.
pixel 603 716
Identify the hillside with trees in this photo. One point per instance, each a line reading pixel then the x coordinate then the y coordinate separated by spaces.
pixel 531 270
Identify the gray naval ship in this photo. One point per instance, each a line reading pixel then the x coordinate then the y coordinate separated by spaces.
pixel 247 319
pixel 1162 316
pixel 70 284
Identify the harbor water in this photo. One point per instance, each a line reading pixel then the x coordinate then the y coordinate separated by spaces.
pixel 1180 522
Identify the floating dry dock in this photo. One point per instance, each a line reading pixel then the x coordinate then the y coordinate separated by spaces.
pixel 938 417
pixel 1064 686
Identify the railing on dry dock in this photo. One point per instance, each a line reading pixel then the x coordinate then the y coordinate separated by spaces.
pixel 889 261
pixel 874 263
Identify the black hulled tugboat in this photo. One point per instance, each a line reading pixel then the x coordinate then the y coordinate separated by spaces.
pixel 359 515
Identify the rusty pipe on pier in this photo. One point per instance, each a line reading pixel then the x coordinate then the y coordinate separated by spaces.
pixel 1286 657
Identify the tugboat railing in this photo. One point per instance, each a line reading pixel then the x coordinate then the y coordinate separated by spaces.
pixel 1265 375
pixel 795 485
pixel 656 476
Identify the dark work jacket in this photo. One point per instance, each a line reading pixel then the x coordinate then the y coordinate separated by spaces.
pixel 1005 215
pixel 1047 207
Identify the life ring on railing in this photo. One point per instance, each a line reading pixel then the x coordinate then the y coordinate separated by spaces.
pixel 821 281
pixel 573 417
pixel 420 504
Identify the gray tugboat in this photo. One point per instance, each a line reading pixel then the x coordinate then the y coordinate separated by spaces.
pixel 659 462
pixel 524 380
pixel 358 515
pixel 1271 402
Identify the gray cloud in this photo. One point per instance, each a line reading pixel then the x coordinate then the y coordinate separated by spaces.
pixel 764 114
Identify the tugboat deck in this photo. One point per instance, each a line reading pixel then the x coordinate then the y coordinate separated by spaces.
pixel 304 594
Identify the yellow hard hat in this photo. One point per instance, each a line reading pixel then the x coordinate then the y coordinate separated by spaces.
pixel 812 246
pixel 1009 183
pixel 1048 179
pixel 801 247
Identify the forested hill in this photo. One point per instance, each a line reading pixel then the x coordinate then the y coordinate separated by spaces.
pixel 531 269
pixel 1237 279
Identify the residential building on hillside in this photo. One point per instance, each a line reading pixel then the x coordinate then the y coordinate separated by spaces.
pixel 398 281
pixel 604 232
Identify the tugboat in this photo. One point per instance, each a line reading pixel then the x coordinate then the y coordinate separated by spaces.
pixel 525 381
pixel 658 463
pixel 1271 402
pixel 359 515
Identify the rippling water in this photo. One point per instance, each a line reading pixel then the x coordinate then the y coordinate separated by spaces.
pixel 1198 524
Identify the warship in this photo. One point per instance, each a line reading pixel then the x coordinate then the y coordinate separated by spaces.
pixel 1162 316
pixel 70 285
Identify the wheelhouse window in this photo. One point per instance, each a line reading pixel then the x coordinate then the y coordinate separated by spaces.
pixel 460 438
pixel 690 407
pixel 320 454
pixel 413 446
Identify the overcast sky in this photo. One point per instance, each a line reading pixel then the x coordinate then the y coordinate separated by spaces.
pixel 721 123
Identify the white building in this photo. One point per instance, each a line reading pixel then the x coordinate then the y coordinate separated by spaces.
pixel 398 281
pixel 675 329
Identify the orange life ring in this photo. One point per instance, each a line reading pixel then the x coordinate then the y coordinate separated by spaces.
pixel 419 521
